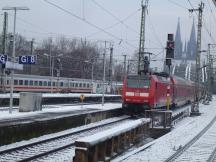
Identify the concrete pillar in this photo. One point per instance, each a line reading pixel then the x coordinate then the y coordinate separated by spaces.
pixel 30 102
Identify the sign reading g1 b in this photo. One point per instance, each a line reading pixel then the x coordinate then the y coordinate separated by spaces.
pixel 27 59
pixel 3 59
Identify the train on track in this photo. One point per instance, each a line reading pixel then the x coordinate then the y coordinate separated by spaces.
pixel 156 91
pixel 46 84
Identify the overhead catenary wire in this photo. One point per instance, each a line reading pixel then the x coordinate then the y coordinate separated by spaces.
pixel 115 17
pixel 211 11
pixel 204 24
pixel 87 22
pixel 177 4
pixel 117 23
pixel 154 32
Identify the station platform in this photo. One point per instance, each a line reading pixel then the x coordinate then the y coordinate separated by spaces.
pixel 59 98
pixel 25 125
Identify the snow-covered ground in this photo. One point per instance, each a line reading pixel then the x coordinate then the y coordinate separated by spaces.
pixel 72 130
pixel 58 108
pixel 184 131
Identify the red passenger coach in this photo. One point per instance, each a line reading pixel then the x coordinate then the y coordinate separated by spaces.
pixel 183 91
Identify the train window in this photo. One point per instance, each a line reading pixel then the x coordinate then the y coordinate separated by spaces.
pixel 80 85
pixel 26 82
pixel 35 83
pixel 49 84
pixel 20 82
pixel 61 84
pixel 31 82
pixel 76 84
pixel 8 82
pixel 66 84
pixel 73 84
pixel 44 83
pixel 87 85
pixel 15 82
pixel 53 84
pixel 84 85
pixel 40 83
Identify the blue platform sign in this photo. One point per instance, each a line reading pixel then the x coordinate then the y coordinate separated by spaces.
pixel 3 59
pixel 27 59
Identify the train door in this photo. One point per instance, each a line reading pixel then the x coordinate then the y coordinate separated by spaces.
pixel 94 87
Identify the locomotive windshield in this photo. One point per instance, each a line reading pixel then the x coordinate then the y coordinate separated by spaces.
pixel 138 81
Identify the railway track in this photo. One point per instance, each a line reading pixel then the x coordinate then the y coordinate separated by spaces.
pixel 191 150
pixel 35 150
pixel 212 157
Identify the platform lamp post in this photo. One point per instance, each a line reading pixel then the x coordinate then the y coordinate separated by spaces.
pixel 15 9
pixel 92 72
pixel 52 66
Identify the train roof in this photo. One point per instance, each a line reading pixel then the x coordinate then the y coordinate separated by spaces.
pixel 179 80
pixel 47 77
pixel 24 76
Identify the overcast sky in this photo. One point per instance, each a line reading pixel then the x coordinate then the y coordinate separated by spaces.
pixel 44 20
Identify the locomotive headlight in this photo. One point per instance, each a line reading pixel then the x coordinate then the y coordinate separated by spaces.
pixel 129 93
pixel 144 94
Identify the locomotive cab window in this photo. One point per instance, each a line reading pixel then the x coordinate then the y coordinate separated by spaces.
pixel 138 82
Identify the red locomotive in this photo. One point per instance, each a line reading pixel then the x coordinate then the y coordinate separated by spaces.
pixel 150 91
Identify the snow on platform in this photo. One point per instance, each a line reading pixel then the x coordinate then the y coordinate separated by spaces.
pixel 59 108
pixel 108 134
pixel 160 149
pixel 53 95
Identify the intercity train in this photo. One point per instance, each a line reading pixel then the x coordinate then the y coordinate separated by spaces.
pixel 46 84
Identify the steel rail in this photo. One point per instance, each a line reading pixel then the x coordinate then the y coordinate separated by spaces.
pixel 31 145
pixel 212 157
pixel 191 142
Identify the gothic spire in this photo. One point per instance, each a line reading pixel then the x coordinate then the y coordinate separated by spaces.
pixel 178 42
pixel 191 47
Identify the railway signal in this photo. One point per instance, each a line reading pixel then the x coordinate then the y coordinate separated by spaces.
pixel 169 56
pixel 170 50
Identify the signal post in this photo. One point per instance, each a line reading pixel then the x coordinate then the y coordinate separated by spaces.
pixel 169 56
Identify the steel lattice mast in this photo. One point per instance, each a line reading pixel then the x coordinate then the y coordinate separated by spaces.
pixel 142 34
pixel 195 107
